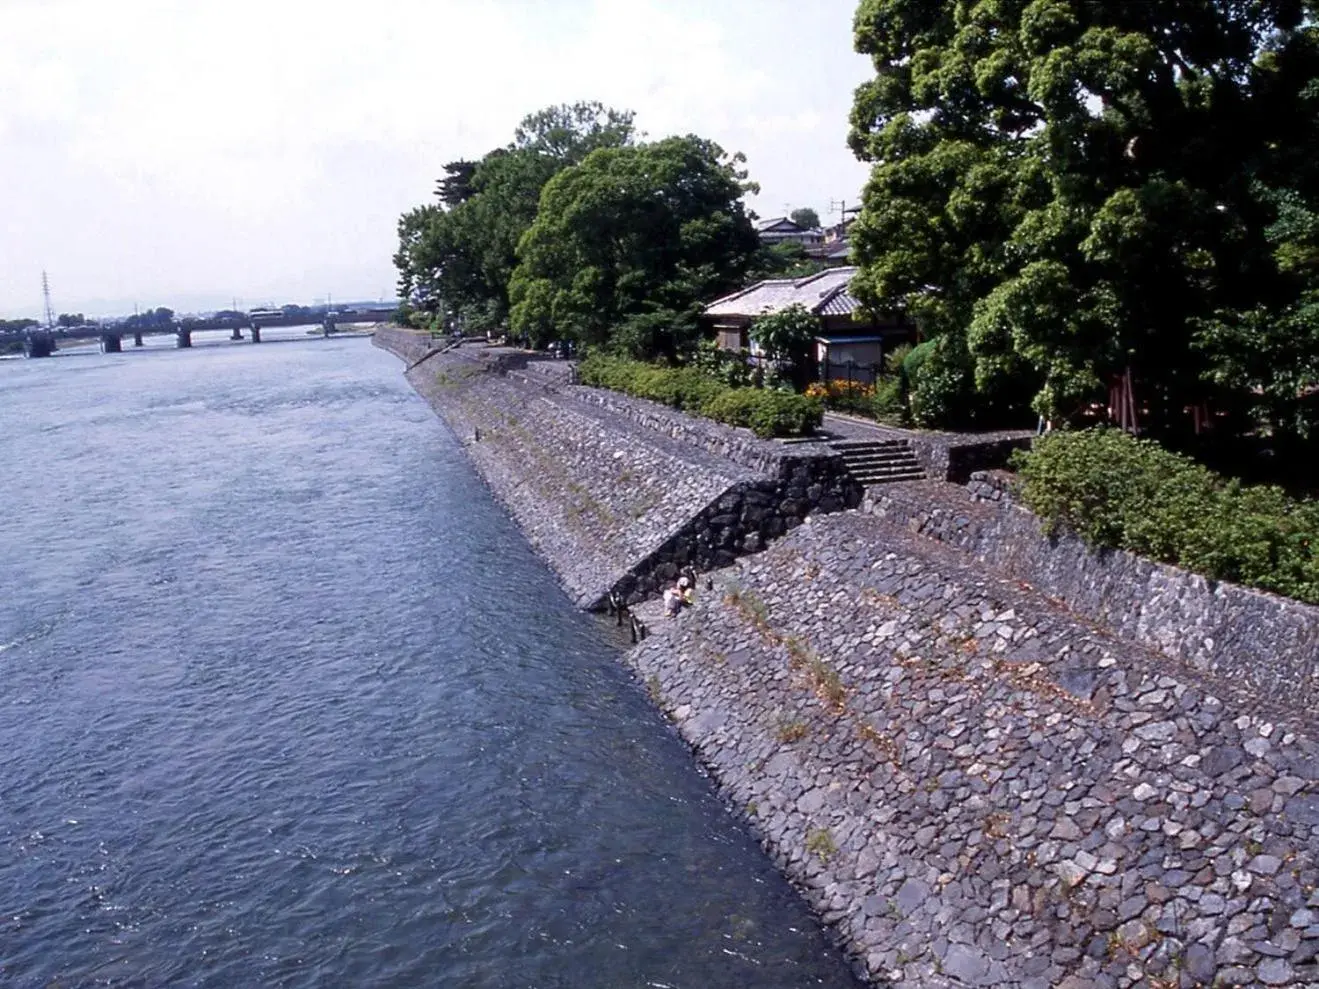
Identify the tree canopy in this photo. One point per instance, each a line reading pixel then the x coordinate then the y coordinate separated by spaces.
pixel 805 217
pixel 456 256
pixel 627 244
pixel 1065 190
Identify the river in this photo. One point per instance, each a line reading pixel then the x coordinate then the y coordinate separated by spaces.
pixel 288 701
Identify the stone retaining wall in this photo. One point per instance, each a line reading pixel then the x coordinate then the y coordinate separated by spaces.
pixel 976 788
pixel 409 345
pixel 1263 641
pixel 617 496
pixel 738 445
pixel 954 456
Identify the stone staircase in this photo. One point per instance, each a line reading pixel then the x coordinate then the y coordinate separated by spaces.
pixel 879 461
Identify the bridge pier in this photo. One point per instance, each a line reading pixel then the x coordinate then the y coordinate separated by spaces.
pixel 183 338
pixel 137 338
pixel 111 343
pixel 256 334
pixel 237 334
pixel 39 344
pixel 327 327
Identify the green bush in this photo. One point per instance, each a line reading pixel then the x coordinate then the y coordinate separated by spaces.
pixel 766 413
pixel 1120 492
pixel 890 402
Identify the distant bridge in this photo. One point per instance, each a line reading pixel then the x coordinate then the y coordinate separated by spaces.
pixel 41 343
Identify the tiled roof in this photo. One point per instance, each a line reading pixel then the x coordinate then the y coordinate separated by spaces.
pixel 774 221
pixel 825 294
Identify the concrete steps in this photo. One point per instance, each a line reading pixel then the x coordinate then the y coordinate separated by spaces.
pixel 879 461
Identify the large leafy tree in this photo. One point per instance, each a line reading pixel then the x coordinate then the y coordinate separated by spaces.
pixel 805 217
pixel 627 244
pixel 1065 190
pixel 456 256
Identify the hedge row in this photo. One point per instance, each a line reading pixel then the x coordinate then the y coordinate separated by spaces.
pixel 1124 493
pixel 766 413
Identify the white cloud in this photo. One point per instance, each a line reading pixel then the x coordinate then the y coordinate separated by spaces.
pixel 166 148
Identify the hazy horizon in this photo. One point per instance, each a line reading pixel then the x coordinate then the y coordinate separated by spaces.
pixel 186 155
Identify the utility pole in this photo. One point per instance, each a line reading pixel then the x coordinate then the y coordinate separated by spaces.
pixel 45 295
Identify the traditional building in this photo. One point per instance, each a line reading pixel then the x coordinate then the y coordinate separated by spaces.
pixel 850 344
pixel 781 230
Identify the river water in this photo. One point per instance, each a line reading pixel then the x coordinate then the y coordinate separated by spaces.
pixel 288 701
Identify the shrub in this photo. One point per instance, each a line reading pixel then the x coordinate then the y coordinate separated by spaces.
pixel 732 369
pixel 1120 492
pixel 766 413
pixel 889 403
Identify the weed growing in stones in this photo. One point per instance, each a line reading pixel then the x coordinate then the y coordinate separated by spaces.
pixel 799 654
pixel 825 681
pixel 653 689
pixel 828 684
pixel 791 731
pixel 868 733
pixel 752 609
pixel 820 842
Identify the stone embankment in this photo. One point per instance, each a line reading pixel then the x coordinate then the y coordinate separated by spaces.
pixel 988 758
pixel 1265 643
pixel 979 787
pixel 616 493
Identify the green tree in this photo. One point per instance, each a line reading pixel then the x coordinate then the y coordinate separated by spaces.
pixel 568 133
pixel 628 244
pixel 456 256
pixel 1067 189
pixel 786 259
pixel 456 187
pixel 805 217
pixel 786 336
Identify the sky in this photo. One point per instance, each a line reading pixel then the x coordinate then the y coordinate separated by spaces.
pixel 190 153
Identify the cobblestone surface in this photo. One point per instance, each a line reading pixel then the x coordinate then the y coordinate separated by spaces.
pixel 977 788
